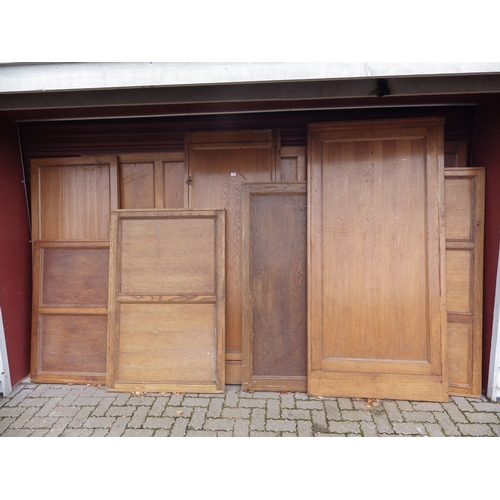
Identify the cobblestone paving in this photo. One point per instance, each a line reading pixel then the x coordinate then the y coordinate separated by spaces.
pixel 50 410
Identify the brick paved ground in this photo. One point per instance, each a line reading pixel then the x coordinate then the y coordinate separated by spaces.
pixel 79 410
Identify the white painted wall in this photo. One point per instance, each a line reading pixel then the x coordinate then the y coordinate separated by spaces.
pixel 5 383
pixel 494 374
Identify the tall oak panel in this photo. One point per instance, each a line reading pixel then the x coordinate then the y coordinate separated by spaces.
pixel 377 301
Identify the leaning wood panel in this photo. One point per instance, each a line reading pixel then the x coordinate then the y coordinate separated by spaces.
pixel 70 297
pixel 377 302
pixel 218 163
pixel 274 284
pixel 166 302
pixel 464 202
pixel 151 180
pixel 72 198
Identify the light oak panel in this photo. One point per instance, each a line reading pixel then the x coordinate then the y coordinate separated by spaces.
pixel 377 310
pixel 167 309
pixel 218 163
pixel 72 198
pixel 464 200
pixel 152 180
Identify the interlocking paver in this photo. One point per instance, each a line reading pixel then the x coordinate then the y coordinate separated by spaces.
pixel 448 426
pixel 481 418
pixel 258 420
pixel 219 424
pixel 418 416
pixel 345 427
pixel 409 429
pixel 476 430
pixel 33 410
pixel 356 415
pixel 281 425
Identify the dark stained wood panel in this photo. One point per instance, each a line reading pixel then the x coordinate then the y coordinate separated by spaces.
pixel 274 287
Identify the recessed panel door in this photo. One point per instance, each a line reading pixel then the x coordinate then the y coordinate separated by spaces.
pixel 377 315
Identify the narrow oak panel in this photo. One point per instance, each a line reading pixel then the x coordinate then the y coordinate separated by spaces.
pixel 218 163
pixel 464 202
pixel 377 302
pixel 274 284
pixel 166 301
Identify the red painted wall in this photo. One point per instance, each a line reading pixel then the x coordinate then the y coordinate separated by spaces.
pixel 486 153
pixel 15 254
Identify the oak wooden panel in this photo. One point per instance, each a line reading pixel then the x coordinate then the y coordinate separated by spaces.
pixel 293 164
pixel 455 154
pixel 74 276
pixel 274 284
pixel 70 295
pixel 166 301
pixel 137 184
pixel 72 347
pixel 183 263
pixel 218 163
pixel 464 201
pixel 460 356
pixel 377 315
pixel 72 198
pixel 152 180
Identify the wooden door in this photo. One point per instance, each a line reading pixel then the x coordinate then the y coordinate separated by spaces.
pixel 218 164
pixel 274 287
pixel 166 308
pixel 71 203
pixel 464 195
pixel 377 310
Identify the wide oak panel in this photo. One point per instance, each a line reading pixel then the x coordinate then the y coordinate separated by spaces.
pixel 377 317
pixel 166 301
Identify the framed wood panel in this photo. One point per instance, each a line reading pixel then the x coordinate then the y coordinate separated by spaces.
pixel 377 283
pixel 464 202
pixel 166 302
pixel 70 299
pixel 151 180
pixel 71 203
pixel 218 163
pixel 274 287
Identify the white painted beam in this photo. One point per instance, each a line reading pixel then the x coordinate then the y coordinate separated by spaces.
pixel 45 77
